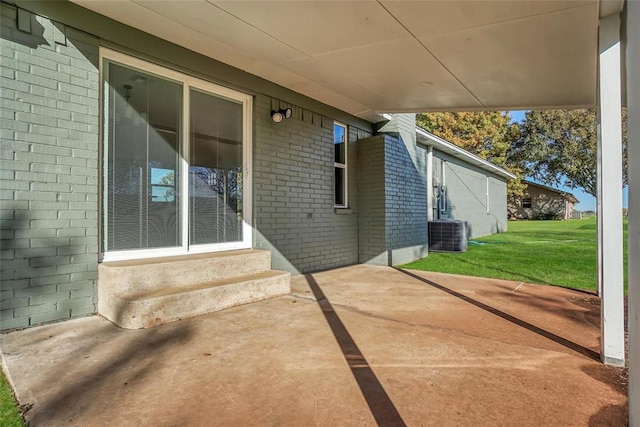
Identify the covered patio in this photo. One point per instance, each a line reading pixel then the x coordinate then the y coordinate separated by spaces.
pixel 512 355
pixel 394 56
pixel 360 345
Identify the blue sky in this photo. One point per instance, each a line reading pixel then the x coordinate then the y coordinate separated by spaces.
pixel 587 201
pixel 517 116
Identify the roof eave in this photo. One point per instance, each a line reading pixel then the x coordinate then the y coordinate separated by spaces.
pixel 569 196
pixel 452 149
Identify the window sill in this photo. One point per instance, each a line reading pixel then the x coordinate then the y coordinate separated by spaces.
pixel 342 211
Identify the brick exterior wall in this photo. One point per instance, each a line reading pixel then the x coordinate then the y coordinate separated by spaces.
pixel 406 202
pixel 49 170
pixel 49 179
pixel 393 214
pixel 293 191
pixel 372 236
pixel 49 188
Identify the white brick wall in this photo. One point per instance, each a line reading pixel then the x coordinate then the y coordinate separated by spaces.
pixel 49 181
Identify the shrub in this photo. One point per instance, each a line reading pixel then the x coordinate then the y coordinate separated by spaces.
pixel 548 215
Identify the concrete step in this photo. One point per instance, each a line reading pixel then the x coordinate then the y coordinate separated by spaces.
pixel 158 306
pixel 143 293
pixel 135 276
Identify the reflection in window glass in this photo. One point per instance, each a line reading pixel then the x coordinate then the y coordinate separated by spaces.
pixel 163 187
pixel 215 173
pixel 339 139
pixel 340 164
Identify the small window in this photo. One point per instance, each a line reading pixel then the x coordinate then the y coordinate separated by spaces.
pixel 340 164
pixel 526 202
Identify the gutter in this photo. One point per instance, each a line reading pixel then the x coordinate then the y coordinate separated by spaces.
pixel 430 140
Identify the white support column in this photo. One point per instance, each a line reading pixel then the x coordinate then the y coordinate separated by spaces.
pixel 610 193
pixel 598 200
pixel 429 167
pixel 633 153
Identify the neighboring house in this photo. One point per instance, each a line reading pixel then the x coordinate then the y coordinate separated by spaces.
pixel 542 202
pixel 129 177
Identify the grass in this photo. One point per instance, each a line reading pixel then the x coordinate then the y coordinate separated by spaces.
pixel 9 414
pixel 560 253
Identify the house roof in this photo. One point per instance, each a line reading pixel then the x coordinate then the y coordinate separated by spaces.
pixel 367 57
pixel 426 138
pixel 565 194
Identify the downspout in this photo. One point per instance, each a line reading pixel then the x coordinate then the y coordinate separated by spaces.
pixel 429 168
pixel 442 208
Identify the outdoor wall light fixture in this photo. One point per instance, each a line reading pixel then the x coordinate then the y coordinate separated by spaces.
pixel 281 114
pixel 127 92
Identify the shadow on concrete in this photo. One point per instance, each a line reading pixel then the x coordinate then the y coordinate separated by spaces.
pixel 546 334
pixel 614 377
pixel 618 380
pixel 609 416
pixel 379 402
pixel 142 352
pixel 587 308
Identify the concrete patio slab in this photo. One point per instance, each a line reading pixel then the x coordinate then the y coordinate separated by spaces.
pixel 356 346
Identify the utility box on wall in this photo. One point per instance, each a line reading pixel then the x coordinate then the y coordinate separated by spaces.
pixel 448 235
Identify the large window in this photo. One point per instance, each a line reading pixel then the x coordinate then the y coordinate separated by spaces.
pixel 175 156
pixel 340 164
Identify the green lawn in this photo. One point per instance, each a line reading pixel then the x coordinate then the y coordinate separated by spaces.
pixel 9 415
pixel 561 253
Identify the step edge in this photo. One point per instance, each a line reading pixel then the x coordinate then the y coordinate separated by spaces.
pixel 227 281
pixel 128 308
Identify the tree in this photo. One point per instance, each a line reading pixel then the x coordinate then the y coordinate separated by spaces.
pixel 226 183
pixel 559 147
pixel 489 135
pixel 168 180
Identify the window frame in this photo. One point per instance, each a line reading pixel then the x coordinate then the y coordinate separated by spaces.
pixel 188 83
pixel 344 166
pixel 529 202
